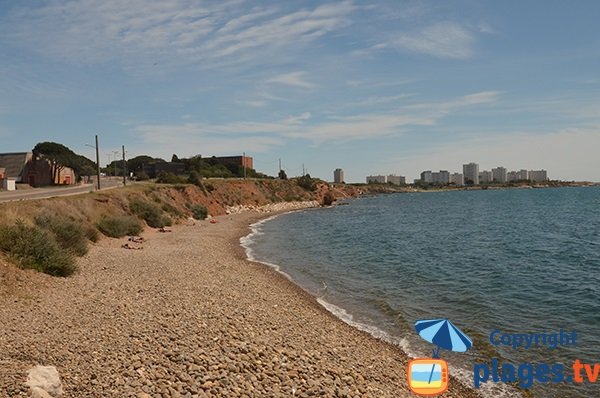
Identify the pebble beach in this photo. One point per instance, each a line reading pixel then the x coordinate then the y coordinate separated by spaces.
pixel 187 316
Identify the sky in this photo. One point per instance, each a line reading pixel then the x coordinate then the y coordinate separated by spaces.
pixel 386 87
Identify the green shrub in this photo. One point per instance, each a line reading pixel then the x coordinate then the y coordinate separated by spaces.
pixel 199 212
pixel 36 248
pixel 169 178
pixel 117 227
pixel 141 175
pixel 172 210
pixel 195 178
pixel 91 233
pixel 307 182
pixel 69 234
pixel 149 212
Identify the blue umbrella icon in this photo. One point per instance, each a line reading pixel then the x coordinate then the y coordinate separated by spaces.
pixel 443 334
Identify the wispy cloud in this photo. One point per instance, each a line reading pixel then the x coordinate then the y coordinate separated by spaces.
pixel 442 40
pixel 306 126
pixel 144 33
pixel 295 79
pixel 479 98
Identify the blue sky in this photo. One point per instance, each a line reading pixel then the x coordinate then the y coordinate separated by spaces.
pixel 372 87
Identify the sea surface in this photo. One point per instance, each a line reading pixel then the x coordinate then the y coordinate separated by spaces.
pixel 515 260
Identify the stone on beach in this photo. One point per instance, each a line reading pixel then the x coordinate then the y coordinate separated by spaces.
pixel 44 379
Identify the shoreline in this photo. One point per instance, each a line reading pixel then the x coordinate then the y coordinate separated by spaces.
pixel 315 302
pixel 189 315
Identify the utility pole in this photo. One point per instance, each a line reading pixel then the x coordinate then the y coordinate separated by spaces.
pixel 97 162
pixel 280 164
pixel 124 166
pixel 244 163
pixel 303 171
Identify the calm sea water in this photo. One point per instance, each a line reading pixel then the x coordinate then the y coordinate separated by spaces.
pixel 522 261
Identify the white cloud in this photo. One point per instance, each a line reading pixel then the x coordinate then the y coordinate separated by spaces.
pixel 294 79
pixel 304 126
pixel 442 40
pixel 485 27
pixel 141 34
pixel 475 99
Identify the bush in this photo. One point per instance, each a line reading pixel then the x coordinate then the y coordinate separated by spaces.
pixel 172 210
pixel 141 176
pixel 35 248
pixel 199 212
pixel 117 227
pixel 307 183
pixel 195 178
pixel 70 235
pixel 91 233
pixel 169 178
pixel 149 212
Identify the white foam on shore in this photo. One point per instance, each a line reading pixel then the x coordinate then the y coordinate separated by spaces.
pixel 247 241
pixel 345 316
pixel 487 390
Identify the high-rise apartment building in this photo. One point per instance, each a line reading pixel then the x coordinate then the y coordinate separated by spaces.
pixel 376 179
pixel 471 173
pixel 426 176
pixel 457 179
pixel 538 175
pixel 485 177
pixel 441 177
pixel 522 175
pixel 338 176
pixel 499 174
pixel 396 180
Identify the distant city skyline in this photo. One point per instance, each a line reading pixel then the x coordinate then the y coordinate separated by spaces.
pixel 384 87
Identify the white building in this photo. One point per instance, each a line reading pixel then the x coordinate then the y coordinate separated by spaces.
pixel 338 176
pixel 522 175
pixel 538 175
pixel 457 179
pixel 471 173
pixel 499 174
pixel 376 179
pixel 396 180
pixel 485 176
pixel 426 176
pixel 441 177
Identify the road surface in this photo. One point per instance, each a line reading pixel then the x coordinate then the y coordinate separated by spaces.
pixel 43 193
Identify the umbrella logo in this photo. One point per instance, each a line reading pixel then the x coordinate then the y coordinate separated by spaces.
pixel 429 376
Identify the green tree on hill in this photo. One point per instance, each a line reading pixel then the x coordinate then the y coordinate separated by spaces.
pixel 59 157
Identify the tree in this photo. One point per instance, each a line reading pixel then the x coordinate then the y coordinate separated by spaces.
pixel 59 157
pixel 136 163
pixel 282 175
pixel 174 158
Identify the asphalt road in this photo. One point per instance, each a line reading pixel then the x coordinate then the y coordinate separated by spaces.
pixel 43 193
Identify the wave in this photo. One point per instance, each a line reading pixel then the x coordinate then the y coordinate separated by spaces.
pixel 488 390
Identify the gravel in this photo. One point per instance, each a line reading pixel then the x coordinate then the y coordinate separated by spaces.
pixel 187 316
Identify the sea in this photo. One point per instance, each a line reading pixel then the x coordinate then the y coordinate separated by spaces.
pixel 512 261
